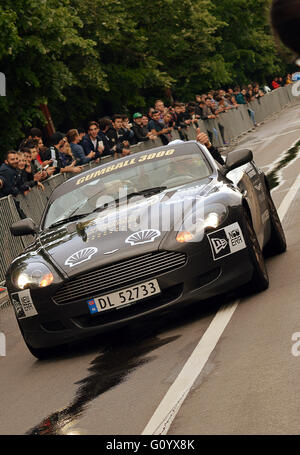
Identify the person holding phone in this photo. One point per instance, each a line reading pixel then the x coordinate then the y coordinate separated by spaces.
pixel 34 167
pixel 53 153
pixel 90 142
pixel 118 144
pixel 27 178
pixel 77 150
pixel 104 125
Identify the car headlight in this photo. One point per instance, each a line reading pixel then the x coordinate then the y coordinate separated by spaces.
pixel 193 230
pixel 35 275
pixel 212 220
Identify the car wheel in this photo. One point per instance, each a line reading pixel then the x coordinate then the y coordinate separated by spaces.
pixel 277 243
pixel 41 353
pixel 260 279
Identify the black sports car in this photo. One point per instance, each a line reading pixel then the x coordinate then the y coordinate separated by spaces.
pixel 162 227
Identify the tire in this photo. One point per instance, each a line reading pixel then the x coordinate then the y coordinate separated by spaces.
pixel 41 353
pixel 277 243
pixel 260 279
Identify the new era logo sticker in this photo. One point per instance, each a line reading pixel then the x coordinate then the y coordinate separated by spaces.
pixel 226 241
pixel 219 244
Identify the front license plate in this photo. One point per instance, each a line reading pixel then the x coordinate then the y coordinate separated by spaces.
pixel 123 297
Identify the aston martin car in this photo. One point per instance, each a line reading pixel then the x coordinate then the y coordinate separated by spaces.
pixel 141 234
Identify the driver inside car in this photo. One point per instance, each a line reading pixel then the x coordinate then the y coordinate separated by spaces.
pixel 189 166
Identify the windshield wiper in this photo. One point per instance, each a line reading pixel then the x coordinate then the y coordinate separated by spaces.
pixel 145 192
pixel 148 191
pixel 67 220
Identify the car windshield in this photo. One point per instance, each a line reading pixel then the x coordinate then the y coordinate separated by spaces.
pixel 139 176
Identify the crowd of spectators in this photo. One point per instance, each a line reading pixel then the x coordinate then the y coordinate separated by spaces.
pixel 33 162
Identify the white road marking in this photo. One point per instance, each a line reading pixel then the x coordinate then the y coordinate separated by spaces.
pixel 287 201
pixel 168 408
pixel 170 405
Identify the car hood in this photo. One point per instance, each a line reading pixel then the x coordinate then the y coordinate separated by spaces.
pixel 113 234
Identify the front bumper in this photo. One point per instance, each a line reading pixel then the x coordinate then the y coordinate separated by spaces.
pixel 200 278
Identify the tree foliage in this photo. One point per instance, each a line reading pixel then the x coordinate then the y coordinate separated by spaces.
pixel 89 57
pixel 246 42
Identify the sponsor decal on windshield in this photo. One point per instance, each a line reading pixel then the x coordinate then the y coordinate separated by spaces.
pixel 125 163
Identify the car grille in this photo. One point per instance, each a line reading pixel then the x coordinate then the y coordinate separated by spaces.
pixel 119 274
pixel 138 308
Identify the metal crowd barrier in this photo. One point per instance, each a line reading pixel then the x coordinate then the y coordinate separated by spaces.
pixel 227 126
pixel 11 246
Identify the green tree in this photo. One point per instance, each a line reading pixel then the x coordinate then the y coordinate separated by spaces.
pixel 246 41
pixel 128 63
pixel 183 37
pixel 147 47
pixel 87 58
pixel 43 35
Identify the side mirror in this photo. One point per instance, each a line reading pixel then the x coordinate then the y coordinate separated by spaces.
pixel 238 158
pixel 23 227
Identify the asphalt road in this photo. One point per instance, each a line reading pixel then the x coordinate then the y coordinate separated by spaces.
pixel 113 384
